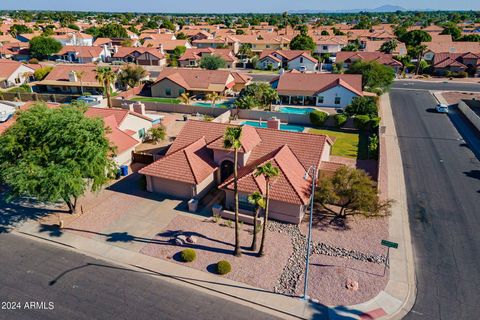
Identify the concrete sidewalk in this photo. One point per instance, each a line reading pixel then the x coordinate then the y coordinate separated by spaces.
pixel 392 303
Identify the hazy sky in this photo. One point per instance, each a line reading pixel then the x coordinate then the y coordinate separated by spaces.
pixel 229 6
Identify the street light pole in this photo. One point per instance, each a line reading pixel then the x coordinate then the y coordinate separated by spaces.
pixel 309 239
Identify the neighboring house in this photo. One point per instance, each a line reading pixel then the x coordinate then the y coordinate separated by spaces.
pixel 66 79
pixel 330 44
pixel 14 73
pixel 197 162
pixel 167 46
pixel 74 39
pixel 84 54
pixel 318 89
pixel 227 41
pixel 292 59
pixel 348 57
pixel 172 82
pixel 261 42
pixel 450 47
pixel 142 56
pixel 192 57
pixel 374 46
pixel 127 129
pixel 456 62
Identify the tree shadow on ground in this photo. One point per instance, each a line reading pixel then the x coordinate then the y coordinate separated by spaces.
pixel 21 210
pixel 324 220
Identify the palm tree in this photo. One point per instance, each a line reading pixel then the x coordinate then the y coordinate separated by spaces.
pixel 268 171
pixel 214 96
pixel 419 50
pixel 245 51
pixel 389 46
pixel 231 139
pixel 258 201
pixel 106 76
pixel 270 96
pixel 131 75
pixel 185 98
pixel 80 75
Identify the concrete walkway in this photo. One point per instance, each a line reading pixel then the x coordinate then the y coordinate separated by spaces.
pixel 392 303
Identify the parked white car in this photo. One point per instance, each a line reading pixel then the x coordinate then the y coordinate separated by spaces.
pixel 441 108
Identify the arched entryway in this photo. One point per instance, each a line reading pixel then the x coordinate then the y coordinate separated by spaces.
pixel 226 169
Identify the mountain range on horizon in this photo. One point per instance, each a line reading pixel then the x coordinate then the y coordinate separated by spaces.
pixel 381 9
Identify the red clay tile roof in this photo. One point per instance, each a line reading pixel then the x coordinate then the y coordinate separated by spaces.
pixel 290 186
pixel 249 139
pixel 380 57
pixel 82 51
pixel 117 113
pixel 446 59
pixel 7 67
pixel 119 139
pixel 213 80
pixel 197 53
pixel 191 164
pixel 452 47
pixel 312 83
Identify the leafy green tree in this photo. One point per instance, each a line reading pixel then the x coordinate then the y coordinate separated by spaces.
pixel 389 46
pixel 168 24
pixel 362 106
pixel 353 192
pixel 453 30
pixel 303 41
pixel 181 36
pixel 18 29
pixel 231 140
pixel 130 75
pixel 73 26
pixel 42 72
pixel 259 94
pixel 374 74
pixel 112 30
pixel 42 47
pixel 177 53
pixel 324 33
pixel 107 77
pixel 212 62
pixel 54 154
pixel 269 172
pixel 213 97
pixel 415 37
pixel 470 38
pixel 258 201
pixel 156 134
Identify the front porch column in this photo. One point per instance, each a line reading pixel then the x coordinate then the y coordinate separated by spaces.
pixel 289 99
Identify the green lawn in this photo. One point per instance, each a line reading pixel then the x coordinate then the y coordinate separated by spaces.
pixel 154 99
pixel 346 143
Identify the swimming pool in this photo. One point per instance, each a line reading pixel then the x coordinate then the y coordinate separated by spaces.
pixel 296 110
pixel 286 127
pixel 209 105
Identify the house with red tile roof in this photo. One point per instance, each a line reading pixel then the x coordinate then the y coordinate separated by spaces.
pixel 292 59
pixel 140 55
pixel 451 47
pixel 375 45
pixel 318 89
pixel 348 57
pixel 191 57
pixel 197 162
pixel 127 129
pixel 166 45
pixel 84 54
pixel 330 44
pixel 14 73
pixel 172 82
pixel 445 62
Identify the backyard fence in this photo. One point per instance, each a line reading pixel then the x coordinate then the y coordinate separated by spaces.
pixel 46 97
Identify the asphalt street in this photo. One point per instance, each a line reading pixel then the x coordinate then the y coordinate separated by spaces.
pixel 80 287
pixel 447 85
pixel 442 177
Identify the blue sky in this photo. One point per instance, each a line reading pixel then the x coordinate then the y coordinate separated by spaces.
pixel 229 6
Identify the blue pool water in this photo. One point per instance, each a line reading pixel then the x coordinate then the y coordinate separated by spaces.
pixel 286 127
pixel 209 104
pixel 296 110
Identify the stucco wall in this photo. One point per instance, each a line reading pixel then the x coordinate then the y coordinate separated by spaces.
pixel 469 114
pixel 296 64
pixel 329 97
pixel 159 89
pixel 124 158
pixel 135 123
pixel 169 187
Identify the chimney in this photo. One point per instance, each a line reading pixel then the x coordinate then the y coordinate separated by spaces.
pixel 138 107
pixel 72 76
pixel 115 49
pixel 273 123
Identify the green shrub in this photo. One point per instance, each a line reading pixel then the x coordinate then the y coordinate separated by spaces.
pixel 373 146
pixel 223 267
pixel 374 122
pixel 361 122
pixel 317 117
pixel 188 255
pixel 340 119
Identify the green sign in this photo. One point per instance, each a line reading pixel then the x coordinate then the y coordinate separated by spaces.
pixel 389 244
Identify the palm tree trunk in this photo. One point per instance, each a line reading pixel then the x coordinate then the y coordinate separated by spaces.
pixel 265 220
pixel 109 100
pixel 237 252
pixel 253 247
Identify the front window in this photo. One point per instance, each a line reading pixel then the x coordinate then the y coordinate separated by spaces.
pixel 325 47
pixel 141 133
pixel 168 91
pixel 337 100
pixel 181 91
pixel 301 59
pixel 320 99
pixel 267 46
pixel 244 204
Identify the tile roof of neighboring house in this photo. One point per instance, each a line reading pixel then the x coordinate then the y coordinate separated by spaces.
pixel 82 51
pixel 264 38
pixel 118 114
pixel 101 41
pixel 452 47
pixel 326 40
pixel 7 67
pixel 121 140
pixel 375 45
pixel 441 37
pixel 289 186
pixel 286 54
pixel 123 52
pixel 445 59
pixel 191 79
pixel 197 53
pixel 249 139
pixel 5 125
pixel 60 75
pixel 380 57
pixel 158 37
pixel 166 44
pixel 5 50
pixel 7 38
pixel 313 83
pixel 191 164
pixel 241 77
pixel 291 152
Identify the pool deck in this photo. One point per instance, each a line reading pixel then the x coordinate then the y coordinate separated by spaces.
pixel 329 110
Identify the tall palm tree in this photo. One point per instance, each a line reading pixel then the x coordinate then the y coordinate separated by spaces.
pixel 268 171
pixel 106 76
pixel 231 140
pixel 80 75
pixel 420 50
pixel 258 201
pixel 214 96
pixel 131 75
pixel 185 98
